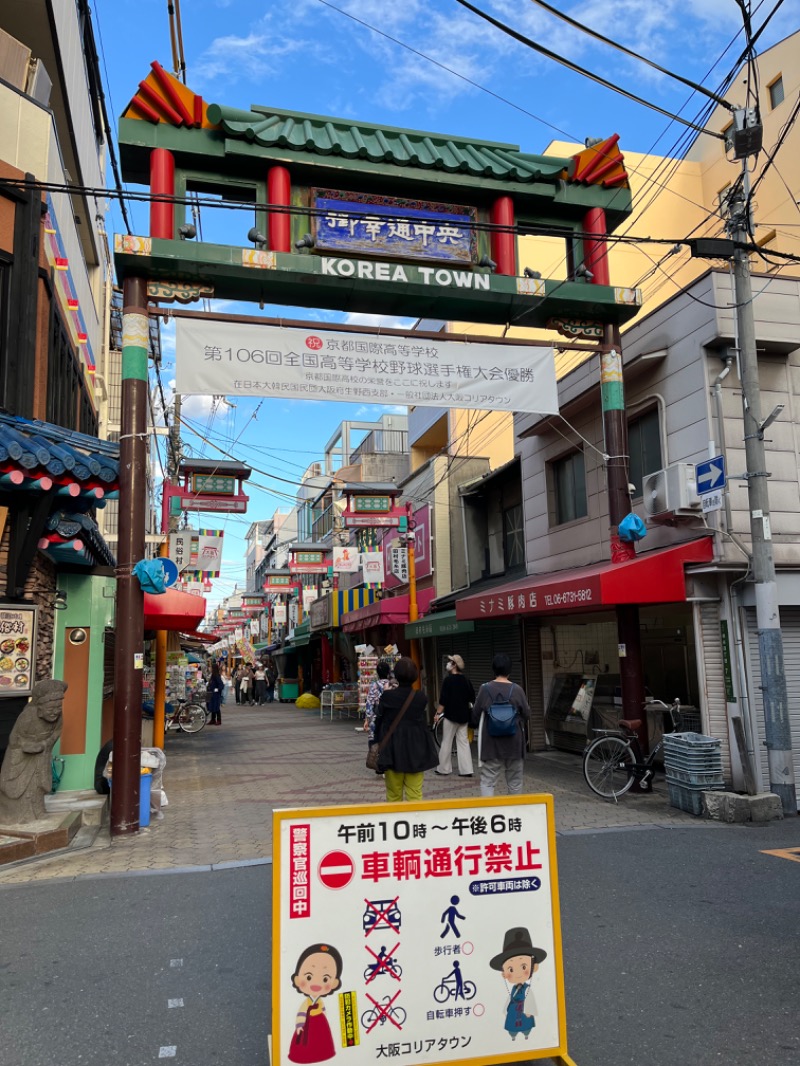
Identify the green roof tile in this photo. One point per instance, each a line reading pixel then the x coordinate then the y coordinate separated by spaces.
pixel 321 135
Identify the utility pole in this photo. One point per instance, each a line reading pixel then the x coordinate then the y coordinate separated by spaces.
pixel 173 477
pixel 770 641
pixel 129 652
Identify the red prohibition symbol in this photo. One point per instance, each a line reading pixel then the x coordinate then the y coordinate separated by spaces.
pixel 336 869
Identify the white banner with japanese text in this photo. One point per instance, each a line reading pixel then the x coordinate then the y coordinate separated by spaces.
pixel 215 358
pixel 427 932
pixel 346 560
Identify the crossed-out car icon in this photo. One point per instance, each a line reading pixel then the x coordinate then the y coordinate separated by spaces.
pixel 381 913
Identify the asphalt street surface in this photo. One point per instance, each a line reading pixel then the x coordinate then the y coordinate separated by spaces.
pixel 681 946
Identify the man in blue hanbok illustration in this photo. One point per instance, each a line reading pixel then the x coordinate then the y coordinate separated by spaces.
pixel 518 962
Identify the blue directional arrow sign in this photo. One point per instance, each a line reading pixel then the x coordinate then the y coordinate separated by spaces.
pixel 170 571
pixel 710 475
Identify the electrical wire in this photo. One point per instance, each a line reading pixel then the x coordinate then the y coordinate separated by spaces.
pixel 628 52
pixel 577 69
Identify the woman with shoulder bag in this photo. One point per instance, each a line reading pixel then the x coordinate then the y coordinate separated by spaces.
pixel 406 746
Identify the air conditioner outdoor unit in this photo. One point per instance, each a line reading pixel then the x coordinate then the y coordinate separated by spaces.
pixel 671 491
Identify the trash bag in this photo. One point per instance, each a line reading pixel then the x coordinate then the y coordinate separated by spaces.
pixel 307 702
pixel 150 573
pixel 632 528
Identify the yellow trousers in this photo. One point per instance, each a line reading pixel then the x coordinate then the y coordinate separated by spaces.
pixel 396 783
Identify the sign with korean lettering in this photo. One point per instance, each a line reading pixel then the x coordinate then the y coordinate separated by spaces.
pixel 423 932
pixel 246 359
pixel 17 650
pixel 399 229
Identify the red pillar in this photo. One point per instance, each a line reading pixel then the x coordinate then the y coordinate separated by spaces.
pixel 162 182
pixel 279 194
pixel 504 242
pixel 595 249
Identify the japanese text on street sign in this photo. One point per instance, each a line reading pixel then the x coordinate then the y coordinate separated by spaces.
pixel 395 230
pixel 243 359
pixel 432 928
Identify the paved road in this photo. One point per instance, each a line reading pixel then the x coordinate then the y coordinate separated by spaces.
pixel 681 946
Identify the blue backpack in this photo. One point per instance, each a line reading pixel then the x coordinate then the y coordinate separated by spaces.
pixel 501 716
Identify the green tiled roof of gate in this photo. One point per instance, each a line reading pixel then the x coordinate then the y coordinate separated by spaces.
pixel 320 135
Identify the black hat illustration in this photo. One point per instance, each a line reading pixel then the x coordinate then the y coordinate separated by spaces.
pixel 517 942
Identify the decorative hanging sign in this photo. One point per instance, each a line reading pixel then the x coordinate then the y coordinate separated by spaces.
pixel 345 560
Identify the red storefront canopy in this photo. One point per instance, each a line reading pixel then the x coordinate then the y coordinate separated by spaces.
pixel 392 611
pixel 173 610
pixel 653 577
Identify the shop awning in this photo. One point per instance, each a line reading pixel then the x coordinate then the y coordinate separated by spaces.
pixel 301 635
pixel 173 610
pixel 441 624
pixel 652 577
pixel 392 611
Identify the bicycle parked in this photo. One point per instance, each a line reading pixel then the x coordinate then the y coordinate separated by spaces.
pixel 182 716
pixel 613 760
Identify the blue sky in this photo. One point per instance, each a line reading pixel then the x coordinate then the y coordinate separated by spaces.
pixel 304 55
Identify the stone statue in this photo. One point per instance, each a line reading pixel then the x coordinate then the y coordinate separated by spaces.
pixel 26 776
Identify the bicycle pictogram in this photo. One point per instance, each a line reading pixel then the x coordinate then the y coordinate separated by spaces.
pixel 384 1011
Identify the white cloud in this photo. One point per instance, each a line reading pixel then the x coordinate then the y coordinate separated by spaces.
pixel 358 318
pixel 254 57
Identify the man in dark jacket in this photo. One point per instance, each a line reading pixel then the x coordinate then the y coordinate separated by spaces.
pixel 410 750
pixel 501 755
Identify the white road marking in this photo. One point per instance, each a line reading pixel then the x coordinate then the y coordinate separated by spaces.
pixel 174 1002
pixel 175 963
pixel 168 1052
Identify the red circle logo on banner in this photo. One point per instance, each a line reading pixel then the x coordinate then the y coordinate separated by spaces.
pixel 336 869
pixel 314 343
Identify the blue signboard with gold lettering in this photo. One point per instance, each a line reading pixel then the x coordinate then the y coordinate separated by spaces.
pixel 386 226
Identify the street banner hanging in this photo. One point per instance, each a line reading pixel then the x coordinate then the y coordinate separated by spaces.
pixel 279 614
pixel 216 358
pixel 425 931
pixel 345 560
pixel 372 568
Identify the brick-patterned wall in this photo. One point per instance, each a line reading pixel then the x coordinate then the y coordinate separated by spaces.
pixel 39 589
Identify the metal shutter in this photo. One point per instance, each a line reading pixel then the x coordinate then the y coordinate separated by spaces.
pixel 714 706
pixel 534 684
pixel 790 629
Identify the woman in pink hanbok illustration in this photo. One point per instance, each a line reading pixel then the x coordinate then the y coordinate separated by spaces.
pixel 317 974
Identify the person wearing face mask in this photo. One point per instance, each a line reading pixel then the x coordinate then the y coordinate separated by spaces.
pixel 455 701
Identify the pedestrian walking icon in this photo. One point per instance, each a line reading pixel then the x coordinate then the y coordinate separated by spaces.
pixel 449 919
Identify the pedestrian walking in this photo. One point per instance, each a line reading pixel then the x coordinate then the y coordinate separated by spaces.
pixel 215 688
pixel 500 713
pixel 237 681
pixel 455 704
pixel 244 685
pixel 401 726
pixel 272 678
pixel 260 686
pixel 377 687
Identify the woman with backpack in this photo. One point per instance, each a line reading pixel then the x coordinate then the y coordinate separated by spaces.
pixel 500 713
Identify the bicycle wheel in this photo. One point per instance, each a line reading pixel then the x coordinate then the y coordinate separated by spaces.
pixel 608 766
pixel 192 718
pixel 468 989
pixel 369 1017
pixel 441 993
pixel 399 1015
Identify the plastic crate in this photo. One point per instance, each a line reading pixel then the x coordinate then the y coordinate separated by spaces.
pixel 701 764
pixel 694 778
pixel 688 799
pixel 691 741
